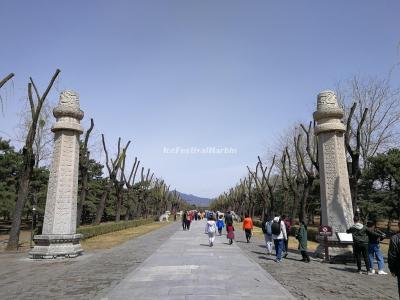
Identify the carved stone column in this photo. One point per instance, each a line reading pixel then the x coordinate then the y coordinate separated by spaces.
pixel 59 236
pixel 336 205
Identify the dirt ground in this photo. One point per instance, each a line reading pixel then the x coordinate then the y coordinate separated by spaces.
pixel 317 280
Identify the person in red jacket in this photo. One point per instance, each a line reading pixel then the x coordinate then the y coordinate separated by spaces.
pixel 247 226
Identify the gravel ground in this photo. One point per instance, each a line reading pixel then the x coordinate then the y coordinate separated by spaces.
pixel 89 276
pixel 317 280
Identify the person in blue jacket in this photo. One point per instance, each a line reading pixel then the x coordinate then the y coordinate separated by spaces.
pixel 220 224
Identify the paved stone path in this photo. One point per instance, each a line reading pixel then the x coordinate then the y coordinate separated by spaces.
pixel 316 280
pixel 85 277
pixel 185 267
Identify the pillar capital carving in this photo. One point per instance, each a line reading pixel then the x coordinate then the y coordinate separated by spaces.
pixel 68 112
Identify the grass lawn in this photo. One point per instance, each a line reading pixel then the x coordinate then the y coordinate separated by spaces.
pixel 112 239
pixel 104 241
pixel 24 238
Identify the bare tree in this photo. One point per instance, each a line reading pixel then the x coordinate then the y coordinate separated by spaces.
pixel 112 167
pixel 132 193
pixel 260 184
pixel 372 116
pixel 3 82
pixel 294 181
pixel 144 186
pixel 119 183
pixel 380 131
pixel 308 175
pixel 264 186
pixel 354 152
pixel 136 193
pixel 28 159
pixel 42 145
pixel 83 170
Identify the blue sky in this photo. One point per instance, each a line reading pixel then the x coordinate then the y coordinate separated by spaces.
pixel 194 73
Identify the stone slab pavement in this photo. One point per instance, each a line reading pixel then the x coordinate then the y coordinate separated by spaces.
pixel 317 280
pixel 86 277
pixel 185 267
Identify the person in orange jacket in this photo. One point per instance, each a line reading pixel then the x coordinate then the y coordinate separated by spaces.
pixel 247 226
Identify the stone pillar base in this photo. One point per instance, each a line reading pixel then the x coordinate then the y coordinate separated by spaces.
pixel 338 252
pixel 56 245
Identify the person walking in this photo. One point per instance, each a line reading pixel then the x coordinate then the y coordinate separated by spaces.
pixel 230 233
pixel 228 219
pixel 301 236
pixel 220 224
pixel 184 215
pixel 288 226
pixel 247 227
pixel 279 236
pixel 211 229
pixel 360 244
pixel 266 228
pixel 375 236
pixel 394 257
pixel 188 220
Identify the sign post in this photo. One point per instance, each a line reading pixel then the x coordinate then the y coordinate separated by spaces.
pixel 325 231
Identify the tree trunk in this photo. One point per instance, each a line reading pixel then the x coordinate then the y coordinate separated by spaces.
pixel 286 200
pixel 353 181
pixel 82 198
pixel 118 206
pixel 306 192
pixel 23 189
pixel 303 208
pixel 293 213
pixel 101 206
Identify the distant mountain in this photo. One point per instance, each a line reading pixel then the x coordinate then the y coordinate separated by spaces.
pixel 198 201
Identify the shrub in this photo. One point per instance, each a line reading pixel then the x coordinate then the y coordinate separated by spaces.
pixel 257 223
pixel 94 230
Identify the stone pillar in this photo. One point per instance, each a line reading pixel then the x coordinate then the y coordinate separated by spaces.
pixel 59 236
pixel 336 205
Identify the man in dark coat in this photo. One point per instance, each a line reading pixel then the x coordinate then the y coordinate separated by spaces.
pixel 184 215
pixel 360 243
pixel 228 219
pixel 394 257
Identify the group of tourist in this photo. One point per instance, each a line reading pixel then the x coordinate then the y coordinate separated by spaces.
pixel 189 216
pixel 366 239
pixel 276 233
pixel 216 222
pixel 366 244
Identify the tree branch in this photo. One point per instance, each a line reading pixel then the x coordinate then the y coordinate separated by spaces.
pixel 5 79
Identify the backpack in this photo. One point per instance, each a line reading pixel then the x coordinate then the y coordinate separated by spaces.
pixel 211 228
pixel 276 228
pixel 268 229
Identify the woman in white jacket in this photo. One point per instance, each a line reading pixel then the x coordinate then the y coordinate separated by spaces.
pixel 211 229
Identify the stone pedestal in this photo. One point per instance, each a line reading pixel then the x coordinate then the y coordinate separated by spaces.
pixel 336 205
pixel 59 236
